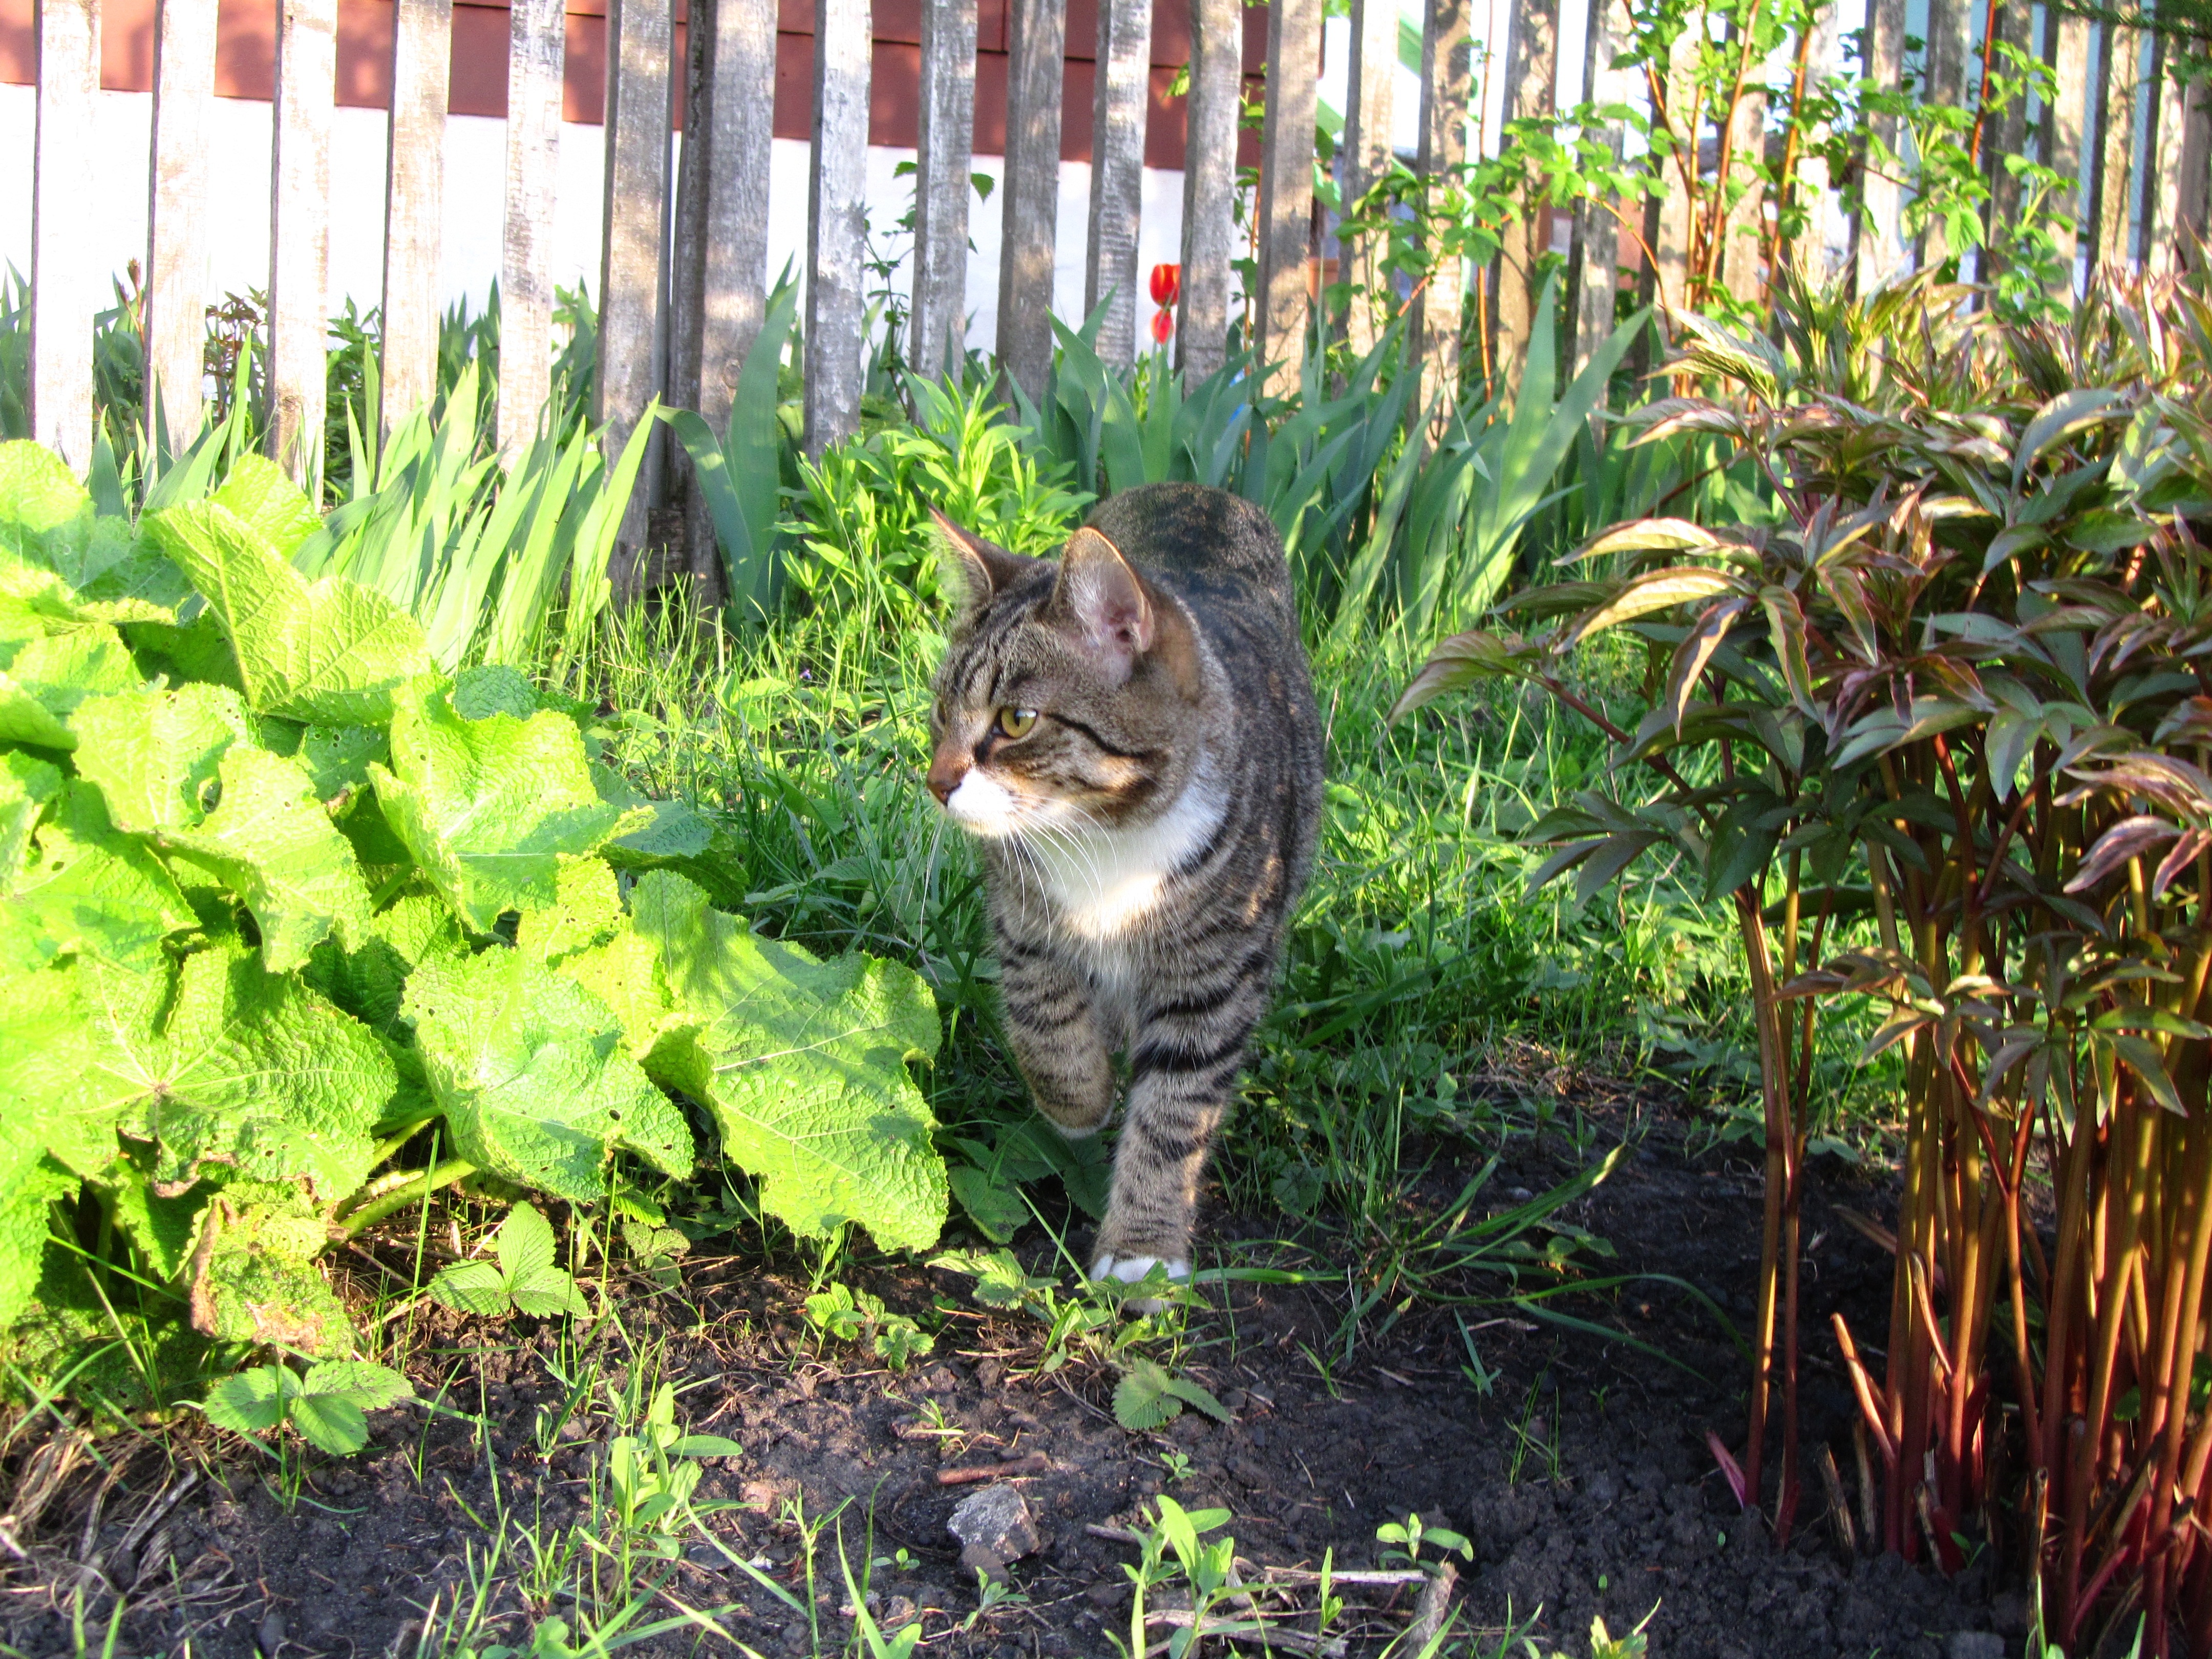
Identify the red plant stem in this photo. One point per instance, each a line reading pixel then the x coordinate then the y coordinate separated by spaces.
pixel 1982 99
pixel 2181 1336
pixel 1862 1385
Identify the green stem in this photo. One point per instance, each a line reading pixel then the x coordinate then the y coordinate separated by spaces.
pixel 399 1198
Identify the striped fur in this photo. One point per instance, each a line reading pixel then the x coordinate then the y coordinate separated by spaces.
pixel 1147 833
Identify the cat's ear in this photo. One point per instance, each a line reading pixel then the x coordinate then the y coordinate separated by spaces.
pixel 975 571
pixel 1102 601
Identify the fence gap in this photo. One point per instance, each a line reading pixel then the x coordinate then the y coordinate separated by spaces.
pixel 1121 98
pixel 1364 158
pixel 836 222
pixel 535 50
pixel 1209 185
pixel 175 319
pixel 1532 70
pixel 1447 70
pixel 943 166
pixel 1035 51
pixel 636 227
pixel 300 235
pixel 414 206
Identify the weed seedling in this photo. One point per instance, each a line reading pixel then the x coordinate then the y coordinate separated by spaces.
pixel 1404 1542
pixel 1177 1465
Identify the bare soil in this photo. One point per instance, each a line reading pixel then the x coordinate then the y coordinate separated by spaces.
pixel 1583 1476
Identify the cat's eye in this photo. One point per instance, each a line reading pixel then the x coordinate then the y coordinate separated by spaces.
pixel 1017 722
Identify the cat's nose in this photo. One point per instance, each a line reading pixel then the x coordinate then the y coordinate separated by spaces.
pixel 945 771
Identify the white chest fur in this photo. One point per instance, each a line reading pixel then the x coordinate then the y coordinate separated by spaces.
pixel 1106 882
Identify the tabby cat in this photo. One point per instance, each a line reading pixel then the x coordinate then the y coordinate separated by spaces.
pixel 1129 731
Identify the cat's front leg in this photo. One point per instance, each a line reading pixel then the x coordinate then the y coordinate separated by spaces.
pixel 1182 1066
pixel 1057 1037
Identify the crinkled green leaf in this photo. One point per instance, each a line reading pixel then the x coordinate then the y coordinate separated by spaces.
pixel 27 785
pixel 74 1030
pixel 995 1206
pixel 586 913
pixel 547 1293
pixel 669 829
pixel 494 688
pixel 804 1064
pixel 154 754
pixel 1142 1399
pixel 38 495
pixel 90 889
pixel 47 677
pixel 332 651
pixel 30 1180
pixel 163 1228
pixel 531 1073
pixel 254 1071
pixel 526 1241
pixel 270 840
pixel 255 1280
pixel 489 807
pixel 330 1424
pixel 366 977
pixel 361 1382
pixel 337 758
pixel 257 490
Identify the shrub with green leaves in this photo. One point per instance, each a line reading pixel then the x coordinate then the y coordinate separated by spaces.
pixel 282 907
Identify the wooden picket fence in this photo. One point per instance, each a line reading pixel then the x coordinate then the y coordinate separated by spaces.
pixel 677 324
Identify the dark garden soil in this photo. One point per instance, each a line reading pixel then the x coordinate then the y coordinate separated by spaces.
pixel 1582 1477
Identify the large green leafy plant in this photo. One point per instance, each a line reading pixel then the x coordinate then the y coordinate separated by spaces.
pixel 295 927
pixel 1946 724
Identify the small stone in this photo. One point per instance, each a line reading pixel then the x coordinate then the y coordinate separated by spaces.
pixel 270 1636
pixel 2009 1613
pixel 989 1562
pixel 1601 1487
pixel 996 1520
pixel 1975 1645
pixel 898 1612
pixel 1106 1594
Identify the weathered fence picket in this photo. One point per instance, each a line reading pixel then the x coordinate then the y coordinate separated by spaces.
pixel 300 232
pixel 1446 76
pixel 944 168
pixel 1209 185
pixel 2064 125
pixel 635 209
pixel 1879 233
pixel 1036 53
pixel 176 225
pixel 2113 213
pixel 1595 255
pixel 1365 155
pixel 1532 68
pixel 1284 213
pixel 536 50
pixel 837 222
pixel 1120 99
pixel 414 209
pixel 66 284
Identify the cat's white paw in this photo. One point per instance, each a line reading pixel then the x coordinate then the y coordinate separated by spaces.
pixel 1131 1269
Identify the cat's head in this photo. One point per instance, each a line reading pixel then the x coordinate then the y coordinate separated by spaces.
pixel 1073 694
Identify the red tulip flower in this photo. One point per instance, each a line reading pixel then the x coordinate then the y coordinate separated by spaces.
pixel 1162 325
pixel 1167 284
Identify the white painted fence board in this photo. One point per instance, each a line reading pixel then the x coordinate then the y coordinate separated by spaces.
pixel 1121 98
pixel 836 222
pixel 943 166
pixel 66 282
pixel 1037 45
pixel 635 230
pixel 1209 185
pixel 176 230
pixel 535 52
pixel 300 235
pixel 415 201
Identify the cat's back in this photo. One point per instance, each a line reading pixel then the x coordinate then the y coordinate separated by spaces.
pixel 1213 548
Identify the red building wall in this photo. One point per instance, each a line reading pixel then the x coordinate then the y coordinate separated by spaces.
pixel 246 58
